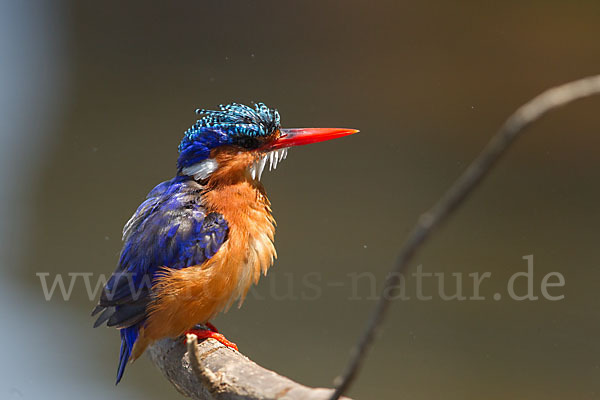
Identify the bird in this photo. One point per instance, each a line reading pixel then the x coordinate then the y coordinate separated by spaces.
pixel 198 241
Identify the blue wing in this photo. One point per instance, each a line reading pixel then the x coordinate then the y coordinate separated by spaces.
pixel 169 229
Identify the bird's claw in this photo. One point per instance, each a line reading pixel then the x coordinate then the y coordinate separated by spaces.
pixel 213 334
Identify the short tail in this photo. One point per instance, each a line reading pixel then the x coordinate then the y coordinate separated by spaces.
pixel 128 338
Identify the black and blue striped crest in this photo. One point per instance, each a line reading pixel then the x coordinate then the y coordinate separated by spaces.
pixel 232 124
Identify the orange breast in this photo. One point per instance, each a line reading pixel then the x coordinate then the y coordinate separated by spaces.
pixel 196 294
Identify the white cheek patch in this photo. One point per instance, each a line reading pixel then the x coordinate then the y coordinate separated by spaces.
pixel 273 157
pixel 201 170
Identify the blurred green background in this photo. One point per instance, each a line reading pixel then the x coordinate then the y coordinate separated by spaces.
pixel 96 96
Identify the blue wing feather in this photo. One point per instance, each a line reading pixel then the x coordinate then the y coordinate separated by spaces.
pixel 170 229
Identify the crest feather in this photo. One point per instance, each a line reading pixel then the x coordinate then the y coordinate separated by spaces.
pixel 228 125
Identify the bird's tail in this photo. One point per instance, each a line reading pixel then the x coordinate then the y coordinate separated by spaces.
pixel 128 338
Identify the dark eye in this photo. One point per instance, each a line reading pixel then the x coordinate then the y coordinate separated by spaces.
pixel 248 142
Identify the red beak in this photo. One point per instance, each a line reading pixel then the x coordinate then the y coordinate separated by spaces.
pixel 301 136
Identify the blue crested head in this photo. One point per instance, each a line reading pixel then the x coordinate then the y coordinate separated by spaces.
pixel 234 124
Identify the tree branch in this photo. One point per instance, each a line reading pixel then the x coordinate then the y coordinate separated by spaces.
pixel 458 192
pixel 210 371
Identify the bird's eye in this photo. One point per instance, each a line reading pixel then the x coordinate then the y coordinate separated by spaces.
pixel 248 142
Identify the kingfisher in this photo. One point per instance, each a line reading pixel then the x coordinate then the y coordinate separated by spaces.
pixel 200 240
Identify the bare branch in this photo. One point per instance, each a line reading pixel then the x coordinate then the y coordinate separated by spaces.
pixel 208 378
pixel 211 371
pixel 462 187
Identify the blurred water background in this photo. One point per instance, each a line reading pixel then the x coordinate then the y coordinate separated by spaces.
pixel 95 98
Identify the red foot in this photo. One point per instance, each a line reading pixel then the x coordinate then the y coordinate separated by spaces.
pixel 212 327
pixel 205 334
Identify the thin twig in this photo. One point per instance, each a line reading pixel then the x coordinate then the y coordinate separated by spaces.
pixel 208 378
pixel 462 187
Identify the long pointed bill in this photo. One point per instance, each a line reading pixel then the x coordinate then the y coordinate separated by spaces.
pixel 275 151
pixel 301 136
